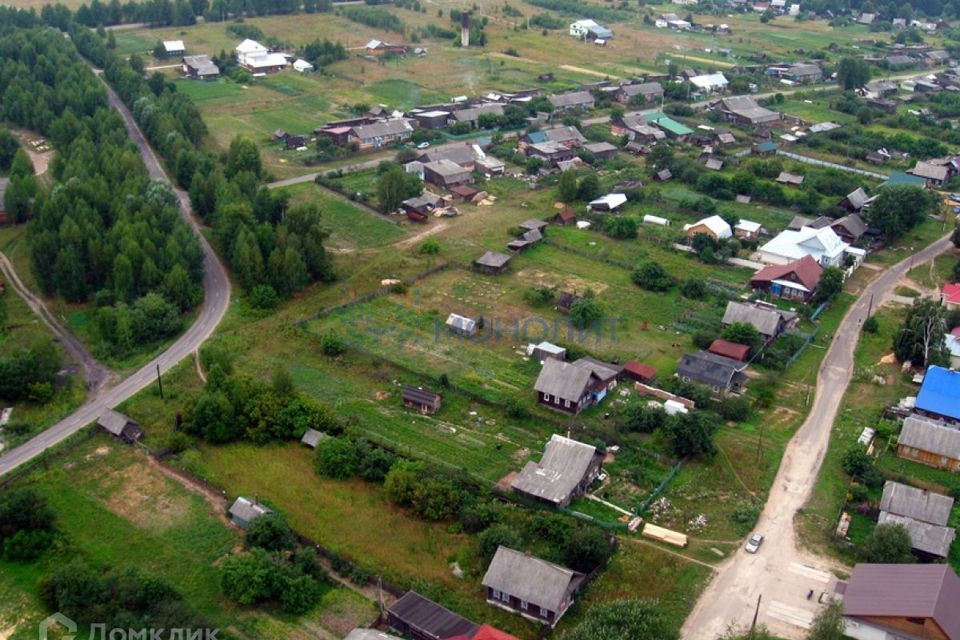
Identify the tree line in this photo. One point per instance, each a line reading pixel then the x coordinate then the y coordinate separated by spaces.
pixel 275 250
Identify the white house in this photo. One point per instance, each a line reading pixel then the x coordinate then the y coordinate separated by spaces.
pixel 713 226
pixel 590 30
pixel 256 58
pixel 302 66
pixel 710 82
pixel 250 48
pixel 609 202
pixel 823 245
pixel 174 48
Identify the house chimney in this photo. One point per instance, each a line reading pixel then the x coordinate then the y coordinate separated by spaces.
pixel 465 30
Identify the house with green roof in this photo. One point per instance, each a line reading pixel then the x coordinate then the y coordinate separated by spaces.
pixel 899 179
pixel 670 126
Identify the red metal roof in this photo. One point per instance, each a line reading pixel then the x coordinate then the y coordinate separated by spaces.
pixel 464 191
pixel 486 632
pixel 640 369
pixel 567 215
pixel 807 271
pixel 733 350
pixel 951 292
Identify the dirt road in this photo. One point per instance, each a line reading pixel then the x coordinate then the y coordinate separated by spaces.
pixel 781 572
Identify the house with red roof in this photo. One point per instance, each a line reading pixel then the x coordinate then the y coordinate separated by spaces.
pixel 639 371
pixel 795 280
pixel 486 632
pixel 729 349
pixel 950 296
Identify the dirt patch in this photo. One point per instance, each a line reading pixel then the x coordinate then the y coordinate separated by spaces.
pixel 542 278
pixel 144 499
pixel 217 501
pixel 589 72
pixel 381 395
pixel 99 452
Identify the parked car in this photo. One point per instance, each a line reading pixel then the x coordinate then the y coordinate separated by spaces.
pixel 753 544
pixel 954 197
pixel 956 209
pixel 423 145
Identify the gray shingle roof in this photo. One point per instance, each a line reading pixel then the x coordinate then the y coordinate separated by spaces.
pixel 533 223
pixel 643 88
pixel 571 99
pixel 711 369
pixel 927 435
pixel 114 421
pixel 564 380
pixel 766 321
pixel 853 223
pixel 599 147
pixel 857 198
pixel 536 581
pixel 420 395
pixel 369 634
pixel 493 259
pixel 428 617
pixel 461 323
pixel 566 133
pixel 446 168
pixel 747 107
pixel 930 538
pixel 381 129
pixel 930 171
pixel 926 506
pixel 564 464
pixel 474 113
pixel 603 370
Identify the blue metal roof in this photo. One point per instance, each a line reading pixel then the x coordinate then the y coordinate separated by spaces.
pixel 940 392
pixel 536 137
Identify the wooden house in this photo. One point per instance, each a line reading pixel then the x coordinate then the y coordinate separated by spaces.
pixel 421 399
pixel 536 589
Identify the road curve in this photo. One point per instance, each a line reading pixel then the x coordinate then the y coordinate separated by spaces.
pixel 216 299
pixel 782 573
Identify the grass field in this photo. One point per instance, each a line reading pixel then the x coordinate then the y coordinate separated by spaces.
pixel 116 508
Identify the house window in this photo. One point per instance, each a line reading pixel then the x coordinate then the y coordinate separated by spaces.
pixel 566 403
pixel 524 605
pixel 496 594
pixel 505 596
pixel 919 621
pixel 546 397
pixel 544 613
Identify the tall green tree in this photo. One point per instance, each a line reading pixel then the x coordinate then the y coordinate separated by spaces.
pixel 852 73
pixel 888 544
pixel 920 338
pixel 829 625
pixel 567 186
pixel 898 209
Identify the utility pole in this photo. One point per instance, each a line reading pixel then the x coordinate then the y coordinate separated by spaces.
pixel 159 381
pixel 760 444
pixel 753 625
pixel 870 306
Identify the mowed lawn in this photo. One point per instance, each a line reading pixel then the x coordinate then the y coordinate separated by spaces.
pixel 116 508
pixel 350 226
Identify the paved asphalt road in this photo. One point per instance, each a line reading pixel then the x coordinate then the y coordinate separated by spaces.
pixel 781 572
pixel 216 299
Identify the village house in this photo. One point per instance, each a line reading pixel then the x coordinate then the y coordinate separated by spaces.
pixel 901 601
pixel 200 67
pixel 636 129
pixel 823 245
pixel 312 437
pixel 461 325
pixel 445 174
pixel 803 73
pixel 641 91
pixel 590 30
pixel 466 193
pixel 551 153
pixel 939 395
pixel 536 589
pixel 431 119
pixel 566 136
pixel 931 443
pixel 732 350
pixel 243 511
pixel 302 66
pixel 879 89
pixel 713 226
pixel 572 387
pixel 673 129
pixel 423 400
pixel 174 48
pixel 794 281
pixel 572 100
pixel 745 110
pixel 723 375
pixel 768 320
pixel 526 240
pixel 601 150
pixel 950 295
pixel 423 619
pixel 380 48
pixel 492 263
pixel 855 201
pixel 546 350
pixel 256 58
pixel 924 514
pixel 747 230
pixel 471 115
pixel 419 208
pixel 935 175
pixel 849 228
pixel 710 83
pixel 120 426
pixel 566 470
pixel 380 134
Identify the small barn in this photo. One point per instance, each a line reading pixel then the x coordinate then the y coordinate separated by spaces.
pixel 461 325
pixel 492 263
pixel 243 511
pixel 312 437
pixel 546 350
pixel 423 400
pixel 120 426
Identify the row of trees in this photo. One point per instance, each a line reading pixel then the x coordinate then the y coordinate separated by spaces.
pixel 267 243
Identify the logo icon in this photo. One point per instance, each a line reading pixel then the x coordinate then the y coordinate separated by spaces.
pixel 58 619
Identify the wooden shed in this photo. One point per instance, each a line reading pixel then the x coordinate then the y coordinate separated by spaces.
pixel 423 400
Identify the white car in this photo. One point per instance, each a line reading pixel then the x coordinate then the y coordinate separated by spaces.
pixel 753 544
pixel 423 145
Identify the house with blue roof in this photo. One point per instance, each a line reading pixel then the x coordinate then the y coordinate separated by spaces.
pixel 899 178
pixel 939 396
